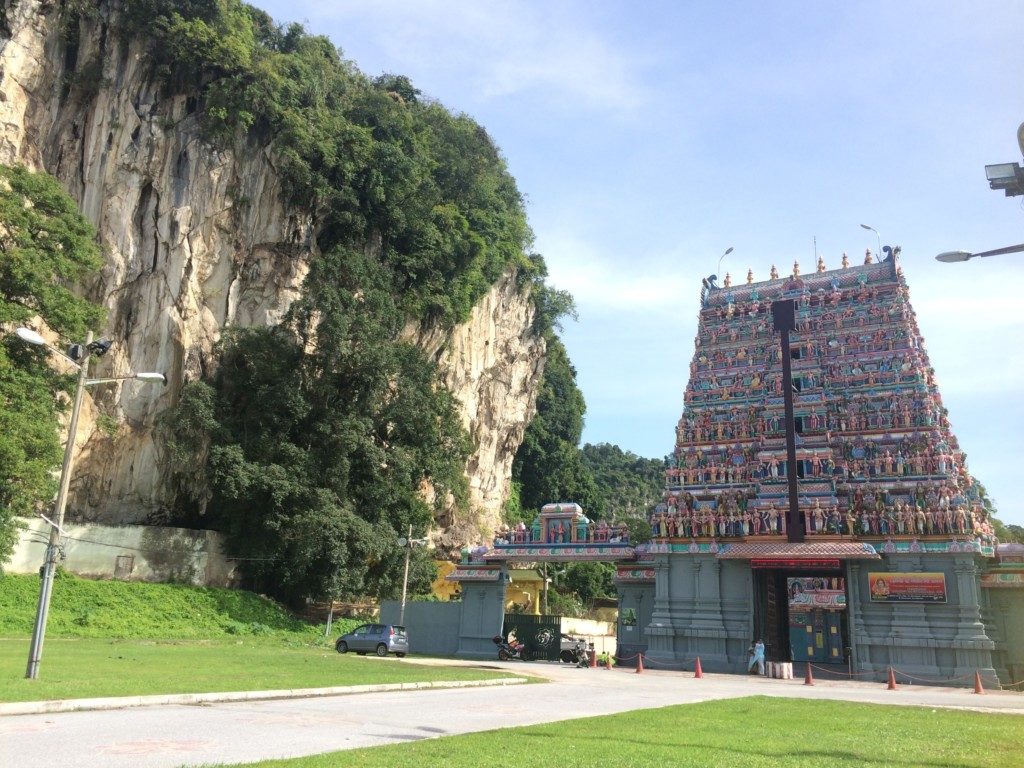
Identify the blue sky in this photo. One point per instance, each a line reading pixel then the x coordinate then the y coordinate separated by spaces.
pixel 649 137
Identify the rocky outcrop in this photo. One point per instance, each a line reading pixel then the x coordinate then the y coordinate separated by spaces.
pixel 492 364
pixel 197 239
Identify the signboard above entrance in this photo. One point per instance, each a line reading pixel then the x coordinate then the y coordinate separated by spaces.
pixel 797 563
pixel 816 592
pixel 907 587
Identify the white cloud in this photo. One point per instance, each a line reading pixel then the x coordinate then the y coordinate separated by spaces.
pixel 653 286
pixel 501 49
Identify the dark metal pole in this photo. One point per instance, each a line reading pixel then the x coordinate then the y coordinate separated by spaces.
pixel 784 317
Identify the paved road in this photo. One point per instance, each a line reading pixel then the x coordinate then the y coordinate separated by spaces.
pixel 169 736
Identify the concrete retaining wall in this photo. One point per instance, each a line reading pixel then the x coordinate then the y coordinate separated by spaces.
pixel 129 552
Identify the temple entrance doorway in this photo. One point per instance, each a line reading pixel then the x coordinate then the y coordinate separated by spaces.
pixel 801 614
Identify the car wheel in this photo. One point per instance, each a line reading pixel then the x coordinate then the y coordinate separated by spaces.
pixel 566 657
pixel 399 655
pixel 382 650
pixel 341 646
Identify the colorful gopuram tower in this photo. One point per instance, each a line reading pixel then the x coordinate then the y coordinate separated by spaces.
pixel 895 533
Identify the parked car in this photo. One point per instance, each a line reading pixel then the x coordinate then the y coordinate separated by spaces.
pixel 378 638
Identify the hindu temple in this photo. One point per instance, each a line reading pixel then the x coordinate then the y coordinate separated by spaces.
pixel 893 536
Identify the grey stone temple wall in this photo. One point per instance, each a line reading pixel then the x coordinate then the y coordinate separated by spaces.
pixel 636 607
pixel 702 607
pixel 481 618
pixel 932 640
pixel 1003 614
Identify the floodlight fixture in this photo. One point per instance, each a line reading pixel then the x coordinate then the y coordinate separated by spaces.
pixel 1008 177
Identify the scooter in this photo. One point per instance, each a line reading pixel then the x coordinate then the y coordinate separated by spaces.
pixel 508 651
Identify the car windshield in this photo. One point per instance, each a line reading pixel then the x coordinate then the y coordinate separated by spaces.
pixel 399 630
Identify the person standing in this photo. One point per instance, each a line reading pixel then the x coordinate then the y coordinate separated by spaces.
pixel 757 657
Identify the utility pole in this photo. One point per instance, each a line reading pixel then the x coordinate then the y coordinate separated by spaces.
pixel 405 578
pixel 408 544
pixel 35 651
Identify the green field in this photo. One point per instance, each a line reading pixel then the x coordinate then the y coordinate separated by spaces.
pixel 73 669
pixel 109 638
pixel 750 732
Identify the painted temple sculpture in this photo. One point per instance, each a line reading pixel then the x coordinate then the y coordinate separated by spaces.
pixel 875 455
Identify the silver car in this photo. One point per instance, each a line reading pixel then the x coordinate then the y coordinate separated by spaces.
pixel 378 638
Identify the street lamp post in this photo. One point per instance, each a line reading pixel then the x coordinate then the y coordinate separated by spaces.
pixel 408 544
pixel 954 256
pixel 718 269
pixel 35 652
pixel 878 254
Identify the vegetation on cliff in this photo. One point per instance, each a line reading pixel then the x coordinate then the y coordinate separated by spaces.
pixel 45 247
pixel 320 438
pixel 318 442
pixel 374 161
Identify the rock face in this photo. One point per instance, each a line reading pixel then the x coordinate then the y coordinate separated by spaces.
pixel 198 239
pixel 492 364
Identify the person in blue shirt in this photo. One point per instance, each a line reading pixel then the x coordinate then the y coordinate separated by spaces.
pixel 757 657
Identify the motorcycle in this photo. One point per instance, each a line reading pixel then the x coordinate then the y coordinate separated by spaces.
pixel 508 651
pixel 575 651
pixel 581 654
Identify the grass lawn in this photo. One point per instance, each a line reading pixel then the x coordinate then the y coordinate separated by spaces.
pixel 83 668
pixel 749 732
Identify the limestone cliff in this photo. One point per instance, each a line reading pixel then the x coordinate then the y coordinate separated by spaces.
pixel 199 238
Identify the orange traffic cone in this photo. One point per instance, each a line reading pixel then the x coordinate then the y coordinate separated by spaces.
pixel 892 680
pixel 607 661
pixel 697 671
pixel 977 682
pixel 808 677
pixel 639 663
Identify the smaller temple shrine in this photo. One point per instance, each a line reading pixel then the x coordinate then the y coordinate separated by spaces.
pixel 561 532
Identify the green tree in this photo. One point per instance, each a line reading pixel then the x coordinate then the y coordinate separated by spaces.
pixel 548 466
pixel 628 485
pixel 326 434
pixel 590 581
pixel 371 158
pixel 45 248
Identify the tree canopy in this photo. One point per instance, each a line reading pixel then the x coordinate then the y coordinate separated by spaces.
pixel 373 160
pixel 324 435
pixel 46 247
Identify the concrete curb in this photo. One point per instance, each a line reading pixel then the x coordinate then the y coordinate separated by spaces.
pixel 123 702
